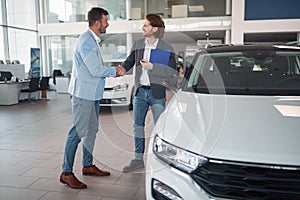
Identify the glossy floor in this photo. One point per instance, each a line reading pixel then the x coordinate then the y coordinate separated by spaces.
pixel 31 151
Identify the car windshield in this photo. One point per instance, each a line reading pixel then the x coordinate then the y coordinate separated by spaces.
pixel 245 72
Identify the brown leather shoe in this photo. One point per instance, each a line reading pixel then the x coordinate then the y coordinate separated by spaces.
pixel 70 179
pixel 94 171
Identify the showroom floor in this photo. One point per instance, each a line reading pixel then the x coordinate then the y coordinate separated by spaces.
pixel 31 150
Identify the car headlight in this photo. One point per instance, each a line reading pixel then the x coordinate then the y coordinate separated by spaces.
pixel 119 88
pixel 177 157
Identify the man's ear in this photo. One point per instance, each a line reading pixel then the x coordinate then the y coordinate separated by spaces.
pixel 98 22
pixel 155 29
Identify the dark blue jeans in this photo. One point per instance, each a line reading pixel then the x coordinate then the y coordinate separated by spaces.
pixel 142 101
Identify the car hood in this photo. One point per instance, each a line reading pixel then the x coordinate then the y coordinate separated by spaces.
pixel 110 82
pixel 256 129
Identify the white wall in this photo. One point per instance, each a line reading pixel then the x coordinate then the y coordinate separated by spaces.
pixel 239 26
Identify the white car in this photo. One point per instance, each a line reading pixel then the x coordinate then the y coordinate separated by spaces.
pixel 233 130
pixel 118 91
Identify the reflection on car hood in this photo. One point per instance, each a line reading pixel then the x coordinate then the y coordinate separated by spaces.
pixel 113 81
pixel 259 129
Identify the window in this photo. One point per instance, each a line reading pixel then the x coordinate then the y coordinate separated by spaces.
pixel 72 11
pixel 22 31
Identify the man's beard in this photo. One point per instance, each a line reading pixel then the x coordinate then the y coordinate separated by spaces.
pixel 145 34
pixel 102 29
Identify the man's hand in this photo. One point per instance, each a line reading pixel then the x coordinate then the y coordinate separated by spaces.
pixel 120 71
pixel 146 64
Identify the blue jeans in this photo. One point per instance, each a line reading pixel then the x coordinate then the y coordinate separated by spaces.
pixel 85 117
pixel 142 101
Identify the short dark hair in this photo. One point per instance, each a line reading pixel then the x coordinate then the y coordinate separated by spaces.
pixel 156 21
pixel 95 14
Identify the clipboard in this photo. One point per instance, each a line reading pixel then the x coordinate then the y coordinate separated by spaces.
pixel 160 56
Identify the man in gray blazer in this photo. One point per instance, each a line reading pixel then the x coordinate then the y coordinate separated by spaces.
pixel 86 90
pixel 150 88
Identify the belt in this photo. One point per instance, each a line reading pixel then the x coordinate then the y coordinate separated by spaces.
pixel 146 87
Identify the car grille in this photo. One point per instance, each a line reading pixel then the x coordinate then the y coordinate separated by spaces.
pixel 108 89
pixel 245 181
pixel 105 101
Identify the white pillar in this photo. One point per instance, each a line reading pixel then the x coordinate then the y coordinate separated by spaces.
pixel 228 8
pixel 44 42
pixel 128 42
pixel 5 30
pixel 298 37
pixel 145 11
pixel 237 22
pixel 227 37
pixel 44 57
pixel 128 9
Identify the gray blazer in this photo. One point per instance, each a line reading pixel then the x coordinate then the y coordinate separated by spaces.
pixel 158 74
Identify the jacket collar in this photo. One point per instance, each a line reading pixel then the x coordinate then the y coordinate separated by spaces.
pixel 96 38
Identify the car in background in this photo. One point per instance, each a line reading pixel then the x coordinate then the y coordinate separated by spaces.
pixel 232 130
pixel 118 91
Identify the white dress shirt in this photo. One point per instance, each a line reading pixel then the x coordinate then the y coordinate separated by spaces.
pixel 144 80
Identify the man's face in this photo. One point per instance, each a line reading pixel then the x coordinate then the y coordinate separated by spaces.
pixel 103 24
pixel 147 29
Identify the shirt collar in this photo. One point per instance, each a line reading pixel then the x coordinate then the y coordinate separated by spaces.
pixel 98 40
pixel 155 43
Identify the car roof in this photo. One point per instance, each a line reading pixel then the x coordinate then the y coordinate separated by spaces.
pixel 226 48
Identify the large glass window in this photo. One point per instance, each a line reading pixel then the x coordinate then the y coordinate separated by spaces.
pixel 61 52
pixel 187 8
pixel 20 42
pixel 76 10
pixel 22 14
pixel 60 11
pixel 113 48
pixel 21 30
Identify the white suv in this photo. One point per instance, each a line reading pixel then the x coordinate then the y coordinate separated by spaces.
pixel 118 91
pixel 233 130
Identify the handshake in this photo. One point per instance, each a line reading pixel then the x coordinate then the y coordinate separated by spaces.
pixel 120 71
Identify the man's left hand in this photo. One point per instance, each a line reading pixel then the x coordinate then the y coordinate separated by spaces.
pixel 146 65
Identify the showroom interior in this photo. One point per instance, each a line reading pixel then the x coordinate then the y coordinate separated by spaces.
pixel 37 39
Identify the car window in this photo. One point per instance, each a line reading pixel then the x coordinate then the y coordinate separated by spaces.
pixel 253 72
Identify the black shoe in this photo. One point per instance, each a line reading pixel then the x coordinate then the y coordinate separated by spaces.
pixel 133 165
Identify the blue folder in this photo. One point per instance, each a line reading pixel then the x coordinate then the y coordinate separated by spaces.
pixel 160 56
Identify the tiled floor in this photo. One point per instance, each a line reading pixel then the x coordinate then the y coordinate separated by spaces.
pixel 31 150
